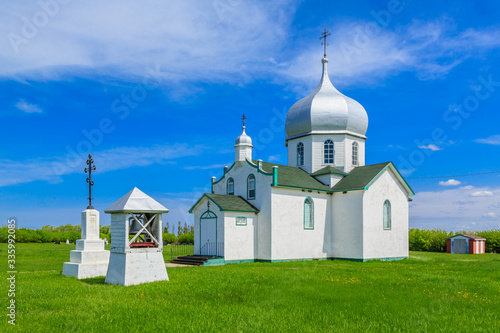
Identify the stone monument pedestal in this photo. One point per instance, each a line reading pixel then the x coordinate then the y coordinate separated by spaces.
pixel 89 259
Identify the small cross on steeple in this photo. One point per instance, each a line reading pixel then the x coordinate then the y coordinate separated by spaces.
pixel 243 119
pixel 325 34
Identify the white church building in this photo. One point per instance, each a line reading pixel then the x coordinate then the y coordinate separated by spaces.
pixel 324 204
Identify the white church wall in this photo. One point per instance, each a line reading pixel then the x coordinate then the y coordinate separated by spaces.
pixel 239 239
pixel 262 231
pixel 380 243
pixel 289 238
pixel 347 231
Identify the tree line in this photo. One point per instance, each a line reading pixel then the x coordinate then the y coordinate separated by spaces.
pixel 49 234
pixel 434 240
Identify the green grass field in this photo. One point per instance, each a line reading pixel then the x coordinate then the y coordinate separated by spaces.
pixel 427 293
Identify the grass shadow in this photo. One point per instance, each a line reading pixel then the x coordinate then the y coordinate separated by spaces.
pixel 96 280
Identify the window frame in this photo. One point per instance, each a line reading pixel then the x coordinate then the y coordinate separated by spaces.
pixel 230 181
pixel 331 147
pixel 311 213
pixel 300 154
pixel 249 197
pixel 387 217
pixel 355 153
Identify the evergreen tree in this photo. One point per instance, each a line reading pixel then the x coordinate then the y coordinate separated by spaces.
pixel 179 229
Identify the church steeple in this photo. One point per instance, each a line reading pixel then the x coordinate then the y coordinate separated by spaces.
pixel 326 128
pixel 243 144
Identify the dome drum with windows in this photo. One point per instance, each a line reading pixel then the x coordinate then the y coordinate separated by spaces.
pixel 326 128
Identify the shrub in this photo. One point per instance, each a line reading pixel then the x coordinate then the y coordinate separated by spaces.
pixel 169 238
pixel 428 240
pixel 187 238
pixel 105 236
pixel 4 234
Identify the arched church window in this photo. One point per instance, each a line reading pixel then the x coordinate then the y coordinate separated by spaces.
pixel 251 187
pixel 300 154
pixel 329 154
pixel 387 215
pixel 230 186
pixel 354 153
pixel 308 213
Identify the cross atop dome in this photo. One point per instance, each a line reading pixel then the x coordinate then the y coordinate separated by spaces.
pixel 243 144
pixel 325 34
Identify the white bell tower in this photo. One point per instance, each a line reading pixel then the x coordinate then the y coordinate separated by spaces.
pixel 138 259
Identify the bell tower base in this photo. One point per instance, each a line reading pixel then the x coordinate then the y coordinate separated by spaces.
pixel 136 267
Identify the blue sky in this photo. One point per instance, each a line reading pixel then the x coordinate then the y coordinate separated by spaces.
pixel 155 91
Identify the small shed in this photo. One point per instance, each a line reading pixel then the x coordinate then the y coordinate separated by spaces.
pixel 465 244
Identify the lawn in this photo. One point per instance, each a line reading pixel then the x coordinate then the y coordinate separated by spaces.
pixel 428 292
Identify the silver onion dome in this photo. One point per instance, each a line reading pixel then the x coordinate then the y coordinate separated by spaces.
pixel 326 111
pixel 243 139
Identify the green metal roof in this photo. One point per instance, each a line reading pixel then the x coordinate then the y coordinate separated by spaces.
pixel 361 177
pixel 229 203
pixel 328 170
pixel 294 177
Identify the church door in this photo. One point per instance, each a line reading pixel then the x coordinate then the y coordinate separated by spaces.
pixel 208 234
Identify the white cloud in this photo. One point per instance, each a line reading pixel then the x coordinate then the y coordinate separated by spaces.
pixel 430 147
pixel 450 182
pixel 490 215
pixel 430 49
pixel 237 42
pixel 492 140
pixel 27 107
pixel 51 169
pixel 453 209
pixel 467 187
pixel 190 40
pixel 482 194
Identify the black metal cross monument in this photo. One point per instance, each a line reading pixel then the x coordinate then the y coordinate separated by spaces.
pixel 90 163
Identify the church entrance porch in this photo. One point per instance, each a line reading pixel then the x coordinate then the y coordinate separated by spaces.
pixel 212 249
pixel 209 240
